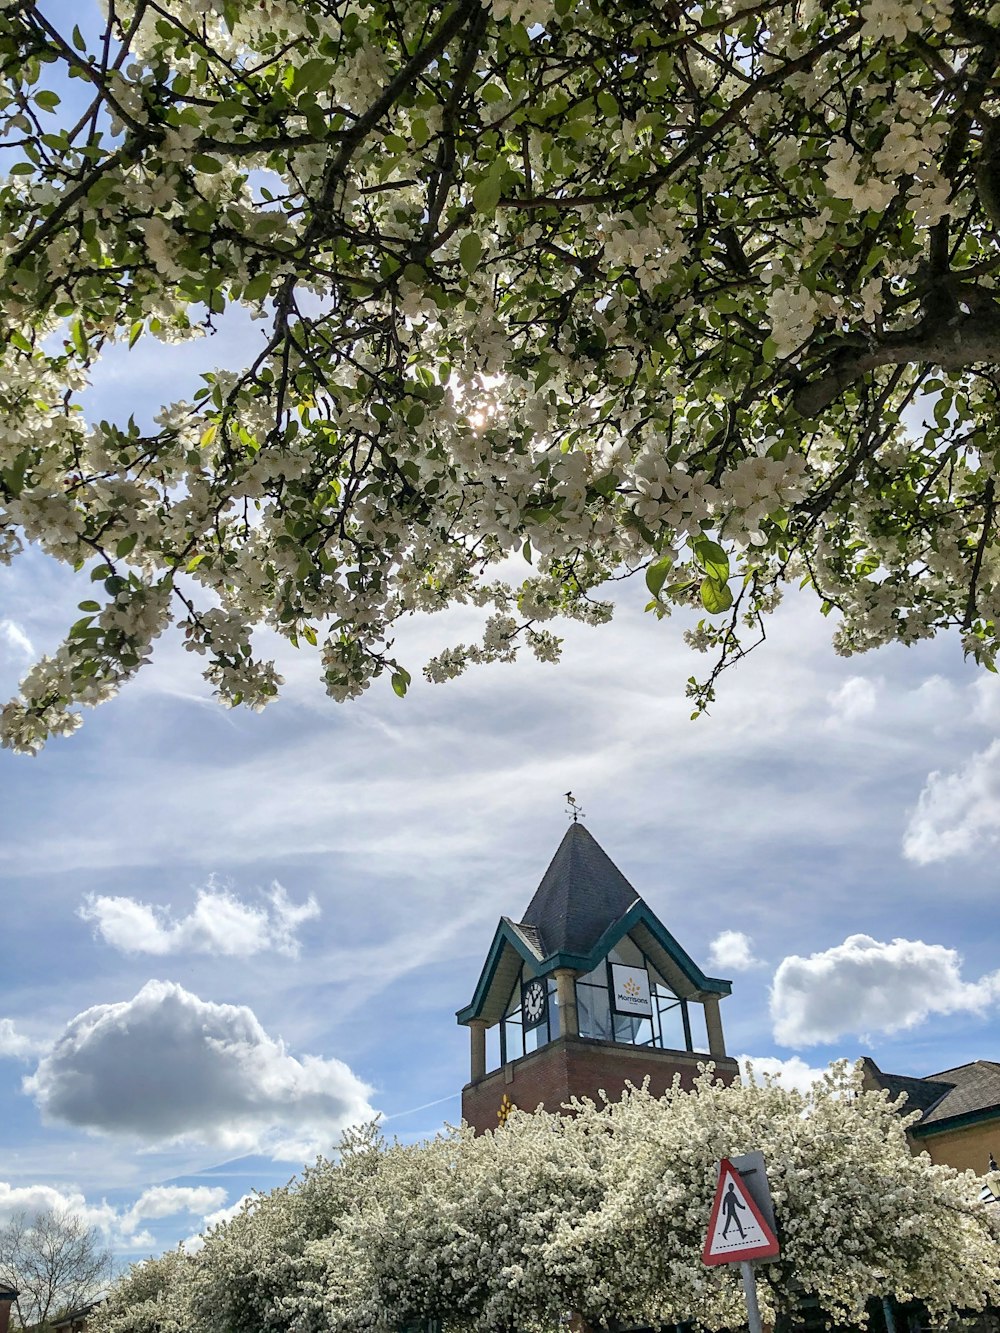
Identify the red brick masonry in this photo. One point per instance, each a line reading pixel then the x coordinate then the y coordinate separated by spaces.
pixel 580 1067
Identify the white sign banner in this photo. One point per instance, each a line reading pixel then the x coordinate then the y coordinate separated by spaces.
pixel 630 991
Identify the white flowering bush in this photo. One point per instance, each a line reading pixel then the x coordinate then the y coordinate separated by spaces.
pixel 705 290
pixel 600 1215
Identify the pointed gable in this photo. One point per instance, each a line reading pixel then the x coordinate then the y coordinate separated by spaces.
pixel 581 894
pixel 581 909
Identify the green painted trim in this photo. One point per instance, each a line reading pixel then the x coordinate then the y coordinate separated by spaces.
pixel 504 936
pixel 956 1122
pixel 638 914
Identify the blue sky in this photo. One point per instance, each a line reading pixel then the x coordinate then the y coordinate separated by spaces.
pixel 803 812
pixel 226 935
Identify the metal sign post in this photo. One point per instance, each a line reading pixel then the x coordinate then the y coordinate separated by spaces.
pixel 741 1226
pixel 750 1292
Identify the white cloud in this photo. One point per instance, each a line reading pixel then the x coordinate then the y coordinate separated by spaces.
pixel 957 813
pixel 791 1073
pixel 732 951
pixel 854 700
pixel 119 1227
pixel 169 1200
pixel 167 1067
pixel 15 1045
pixel 219 923
pixel 864 986
pixel 14 640
pixel 40 1198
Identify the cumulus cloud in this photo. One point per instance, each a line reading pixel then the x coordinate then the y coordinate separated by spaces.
pixel 957 813
pixel 791 1073
pixel 864 985
pixel 42 1198
pixel 161 1201
pixel 14 641
pixel 732 951
pixel 121 1227
pixel 853 701
pixel 167 1067
pixel 13 1044
pixel 219 923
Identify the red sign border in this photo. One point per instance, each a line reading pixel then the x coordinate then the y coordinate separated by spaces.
pixel 770 1251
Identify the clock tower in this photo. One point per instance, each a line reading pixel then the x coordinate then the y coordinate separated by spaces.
pixel 588 992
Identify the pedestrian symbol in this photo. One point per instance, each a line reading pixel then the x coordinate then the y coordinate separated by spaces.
pixel 737 1230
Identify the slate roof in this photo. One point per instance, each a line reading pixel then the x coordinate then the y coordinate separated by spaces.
pixel 581 894
pixel 970 1089
pixel 975 1087
pixel 582 907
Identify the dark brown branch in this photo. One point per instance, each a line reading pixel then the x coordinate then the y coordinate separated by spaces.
pixel 966 341
pixel 989 504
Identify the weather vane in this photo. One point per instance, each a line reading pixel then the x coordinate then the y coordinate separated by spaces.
pixel 572 808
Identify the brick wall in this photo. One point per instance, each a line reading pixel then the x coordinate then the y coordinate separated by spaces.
pixel 5 1306
pixel 578 1067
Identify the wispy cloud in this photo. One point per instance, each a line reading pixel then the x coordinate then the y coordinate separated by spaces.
pixel 14 641
pixel 219 923
pixel 864 986
pixel 854 700
pixel 957 813
pixel 16 1045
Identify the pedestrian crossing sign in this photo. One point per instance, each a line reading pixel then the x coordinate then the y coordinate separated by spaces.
pixel 737 1231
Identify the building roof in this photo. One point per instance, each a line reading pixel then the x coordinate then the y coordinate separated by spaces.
pixel 582 908
pixel 72 1316
pixel 581 894
pixel 975 1088
pixel 8 1293
pixel 970 1091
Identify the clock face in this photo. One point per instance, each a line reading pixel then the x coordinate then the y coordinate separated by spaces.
pixel 534 999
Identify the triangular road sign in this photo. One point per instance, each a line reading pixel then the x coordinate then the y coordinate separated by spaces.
pixel 737 1230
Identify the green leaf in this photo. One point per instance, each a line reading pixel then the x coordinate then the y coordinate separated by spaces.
pixel 715 596
pixel 470 252
pixel 126 545
pixel 257 288
pixel 194 562
pixel 770 350
pixel 89 606
pixel 79 338
pixel 486 195
pixel 656 574
pixel 202 162
pixel 712 558
pixel 134 332
pixel 400 681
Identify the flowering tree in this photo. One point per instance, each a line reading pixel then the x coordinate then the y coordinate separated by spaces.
pixel 602 1214
pixel 702 289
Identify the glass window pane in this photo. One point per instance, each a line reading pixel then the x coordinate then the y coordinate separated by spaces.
pixel 493 1047
pixel 699 1032
pixel 594 1012
pixel 672 1027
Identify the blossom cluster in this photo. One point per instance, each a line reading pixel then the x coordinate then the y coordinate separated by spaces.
pixel 534 285
pixel 596 1217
